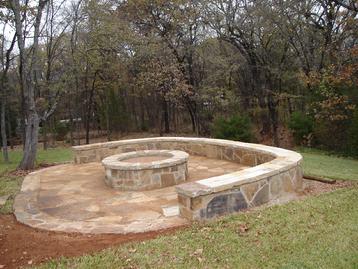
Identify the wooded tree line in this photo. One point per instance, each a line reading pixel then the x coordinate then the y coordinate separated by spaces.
pixel 179 66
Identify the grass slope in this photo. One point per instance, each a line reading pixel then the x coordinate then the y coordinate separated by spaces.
pixel 319 232
pixel 319 163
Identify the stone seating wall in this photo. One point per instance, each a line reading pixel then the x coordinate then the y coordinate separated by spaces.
pixel 211 148
pixel 274 173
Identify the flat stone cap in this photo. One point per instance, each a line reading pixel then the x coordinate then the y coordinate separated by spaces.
pixel 118 161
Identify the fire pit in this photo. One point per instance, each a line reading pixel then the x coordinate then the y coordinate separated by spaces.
pixel 146 170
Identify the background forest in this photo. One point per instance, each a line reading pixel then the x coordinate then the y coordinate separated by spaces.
pixel 278 72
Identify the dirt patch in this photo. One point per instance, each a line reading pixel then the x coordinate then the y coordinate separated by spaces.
pixel 312 187
pixel 21 245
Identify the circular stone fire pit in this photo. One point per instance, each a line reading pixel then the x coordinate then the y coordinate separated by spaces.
pixel 146 170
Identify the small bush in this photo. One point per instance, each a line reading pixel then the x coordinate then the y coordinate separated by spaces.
pixel 353 135
pixel 301 126
pixel 61 129
pixel 234 128
pixel 333 117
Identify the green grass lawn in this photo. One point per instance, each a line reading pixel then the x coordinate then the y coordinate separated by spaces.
pixel 54 155
pixel 319 163
pixel 318 232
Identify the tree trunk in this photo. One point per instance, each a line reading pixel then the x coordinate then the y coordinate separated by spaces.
pixel 3 133
pixel 28 82
pixel 87 127
pixel 265 120
pixel 151 115
pixel 30 149
pixel 134 113
pixel 272 107
pixel 290 109
pixel 71 124
pixel 161 125
pixel 143 126
pixel 192 116
pixel 3 114
pixel 4 91
pixel 44 135
pixel 166 116
pixel 9 133
pixel 89 108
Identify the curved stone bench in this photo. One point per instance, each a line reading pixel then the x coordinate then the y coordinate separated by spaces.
pixel 274 172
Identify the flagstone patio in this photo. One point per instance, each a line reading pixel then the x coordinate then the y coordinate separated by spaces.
pixel 75 198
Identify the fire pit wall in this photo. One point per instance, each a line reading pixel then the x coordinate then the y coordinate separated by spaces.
pixel 140 176
pixel 274 173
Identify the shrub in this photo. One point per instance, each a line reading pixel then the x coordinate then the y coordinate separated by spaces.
pixel 236 127
pixel 301 126
pixel 353 135
pixel 61 129
pixel 333 116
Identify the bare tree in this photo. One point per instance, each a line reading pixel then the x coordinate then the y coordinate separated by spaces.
pixel 178 25
pixel 6 59
pixel 54 31
pixel 242 23
pixel 28 62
